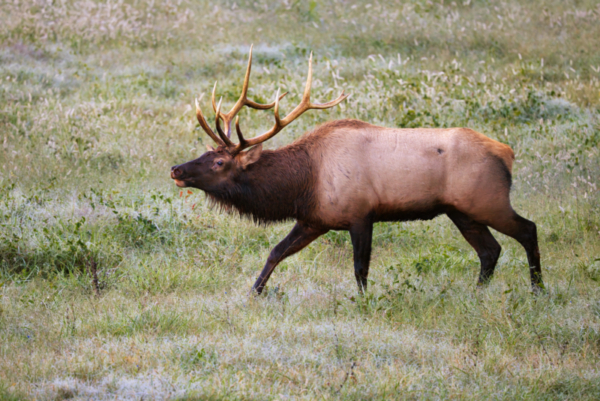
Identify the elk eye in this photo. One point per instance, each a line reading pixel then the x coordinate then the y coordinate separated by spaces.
pixel 220 163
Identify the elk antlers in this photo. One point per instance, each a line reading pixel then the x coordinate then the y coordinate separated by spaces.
pixel 223 137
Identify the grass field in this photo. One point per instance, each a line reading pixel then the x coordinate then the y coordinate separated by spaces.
pixel 115 284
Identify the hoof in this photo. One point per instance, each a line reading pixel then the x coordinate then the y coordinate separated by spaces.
pixel 539 289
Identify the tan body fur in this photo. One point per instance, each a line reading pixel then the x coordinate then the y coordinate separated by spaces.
pixel 393 173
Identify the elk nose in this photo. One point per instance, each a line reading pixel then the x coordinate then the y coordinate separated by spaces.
pixel 175 172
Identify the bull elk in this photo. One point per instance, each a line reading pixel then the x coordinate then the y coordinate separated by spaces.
pixel 348 175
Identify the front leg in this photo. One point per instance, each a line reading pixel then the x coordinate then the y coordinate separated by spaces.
pixel 362 236
pixel 300 236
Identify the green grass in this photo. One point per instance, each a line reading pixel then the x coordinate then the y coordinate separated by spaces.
pixel 96 106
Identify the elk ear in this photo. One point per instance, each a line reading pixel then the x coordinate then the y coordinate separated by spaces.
pixel 210 148
pixel 251 156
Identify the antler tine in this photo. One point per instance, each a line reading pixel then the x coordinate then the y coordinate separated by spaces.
pixel 241 102
pixel 222 134
pixel 218 110
pixel 214 104
pixel 306 95
pixel 276 110
pixel 247 76
pixel 204 125
pixel 260 106
pixel 304 105
pixel 238 131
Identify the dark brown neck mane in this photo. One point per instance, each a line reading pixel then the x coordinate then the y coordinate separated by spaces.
pixel 277 187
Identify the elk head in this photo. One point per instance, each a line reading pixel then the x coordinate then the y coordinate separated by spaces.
pixel 221 165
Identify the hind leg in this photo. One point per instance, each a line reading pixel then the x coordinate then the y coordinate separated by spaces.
pixel 361 235
pixel 480 238
pixel 508 222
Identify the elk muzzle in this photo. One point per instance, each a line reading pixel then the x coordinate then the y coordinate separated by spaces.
pixel 176 174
